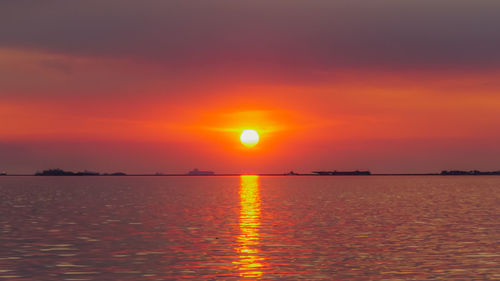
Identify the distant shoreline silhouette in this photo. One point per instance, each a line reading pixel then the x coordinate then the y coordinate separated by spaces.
pixel 468 173
pixel 196 172
pixel 343 173
pixel 60 172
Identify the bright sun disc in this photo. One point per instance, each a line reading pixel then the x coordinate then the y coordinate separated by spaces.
pixel 249 138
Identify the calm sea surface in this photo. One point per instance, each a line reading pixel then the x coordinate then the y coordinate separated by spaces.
pixel 249 227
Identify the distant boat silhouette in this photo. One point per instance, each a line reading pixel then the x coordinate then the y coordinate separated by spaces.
pixel 197 172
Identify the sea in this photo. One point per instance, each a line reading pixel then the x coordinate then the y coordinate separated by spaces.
pixel 250 228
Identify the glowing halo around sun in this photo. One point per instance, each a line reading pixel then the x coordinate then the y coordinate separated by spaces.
pixel 249 138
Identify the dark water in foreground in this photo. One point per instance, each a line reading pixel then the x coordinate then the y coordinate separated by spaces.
pixel 211 228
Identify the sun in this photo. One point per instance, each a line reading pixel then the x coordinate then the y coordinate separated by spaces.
pixel 249 138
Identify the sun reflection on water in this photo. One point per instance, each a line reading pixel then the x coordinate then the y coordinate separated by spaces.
pixel 249 260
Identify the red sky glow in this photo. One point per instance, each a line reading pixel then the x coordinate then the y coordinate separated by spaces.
pixel 169 86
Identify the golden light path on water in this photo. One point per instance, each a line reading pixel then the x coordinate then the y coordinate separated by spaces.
pixel 249 261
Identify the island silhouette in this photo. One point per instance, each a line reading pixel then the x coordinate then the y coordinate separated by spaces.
pixel 343 173
pixel 60 172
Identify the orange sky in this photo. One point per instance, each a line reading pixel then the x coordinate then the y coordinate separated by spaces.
pixel 140 108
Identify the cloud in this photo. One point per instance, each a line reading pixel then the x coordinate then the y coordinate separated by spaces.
pixel 258 34
pixel 58 65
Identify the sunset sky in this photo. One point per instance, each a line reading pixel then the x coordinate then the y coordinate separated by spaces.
pixel 168 86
